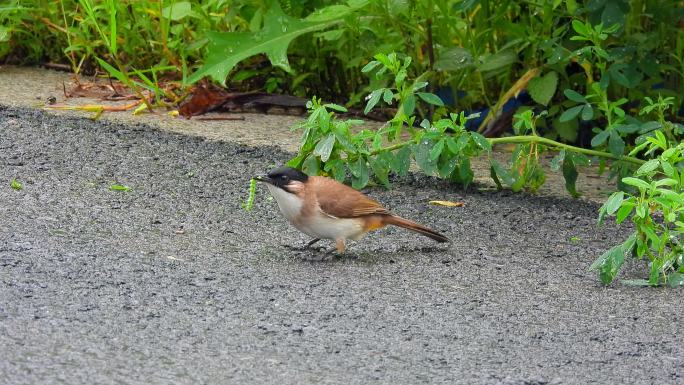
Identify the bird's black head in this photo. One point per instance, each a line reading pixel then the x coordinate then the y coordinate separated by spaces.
pixel 282 176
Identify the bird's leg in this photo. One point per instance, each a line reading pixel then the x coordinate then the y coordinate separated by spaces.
pixel 308 245
pixel 312 242
pixel 340 246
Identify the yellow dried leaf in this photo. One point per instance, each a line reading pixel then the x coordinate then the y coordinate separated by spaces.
pixel 447 203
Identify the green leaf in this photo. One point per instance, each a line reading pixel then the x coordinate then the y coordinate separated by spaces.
pixel 636 182
pixel 543 88
pixel 670 182
pixel 330 13
pixel 119 187
pixel 578 159
pixel 370 66
pixel 335 107
pixel 456 146
pixel 604 82
pixel 498 60
pixel 613 203
pixel 574 96
pixel 624 211
pixel 5 34
pixel 668 153
pixel 447 167
pixel 373 99
pixel 660 140
pixel 651 235
pixel 495 177
pixel 609 263
pixel 452 145
pixel 409 105
pixel 227 49
pixel 297 161
pixel 600 138
pixel 672 217
pixel 377 141
pixel 178 11
pixel 401 76
pixel 587 112
pixel 481 141
pixel 648 167
pixel 675 279
pixel 570 174
pixel 421 153
pixel 570 113
pixel 16 185
pixel 498 171
pixel 580 28
pixel 567 130
pixel 437 149
pixel 627 128
pixel 670 195
pixel 453 59
pixel 359 170
pixel 332 35
pixel 256 21
pixel 430 98
pixel 401 161
pixel 613 14
pixel 324 147
pixel 557 160
pixel 345 141
pixel 387 96
pixel 656 267
pixel 311 165
pixel 535 178
pixel 113 71
pixel 419 86
pixel 649 126
pixel 641 211
pixel 380 169
pixel 465 172
pixel 616 145
pixel 335 168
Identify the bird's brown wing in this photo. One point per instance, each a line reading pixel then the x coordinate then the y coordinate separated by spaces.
pixel 342 201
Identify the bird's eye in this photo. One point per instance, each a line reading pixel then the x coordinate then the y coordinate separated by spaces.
pixel 283 177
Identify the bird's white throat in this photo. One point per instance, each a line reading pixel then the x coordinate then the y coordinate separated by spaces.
pixel 290 204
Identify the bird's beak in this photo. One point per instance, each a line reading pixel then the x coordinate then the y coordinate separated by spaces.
pixel 263 178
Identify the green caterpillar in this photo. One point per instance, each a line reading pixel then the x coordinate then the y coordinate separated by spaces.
pixel 252 193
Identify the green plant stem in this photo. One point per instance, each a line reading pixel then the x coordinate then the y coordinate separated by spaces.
pixel 393 147
pixel 553 143
pixel 530 139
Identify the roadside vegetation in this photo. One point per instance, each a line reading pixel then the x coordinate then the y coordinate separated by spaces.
pixel 597 82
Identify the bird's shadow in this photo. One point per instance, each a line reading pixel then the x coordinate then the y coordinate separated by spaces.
pixel 328 254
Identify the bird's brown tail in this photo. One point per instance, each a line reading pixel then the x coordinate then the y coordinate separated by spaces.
pixel 413 226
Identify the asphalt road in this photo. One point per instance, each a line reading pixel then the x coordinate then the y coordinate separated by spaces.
pixel 172 282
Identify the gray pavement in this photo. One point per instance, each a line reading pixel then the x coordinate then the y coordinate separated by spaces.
pixel 173 283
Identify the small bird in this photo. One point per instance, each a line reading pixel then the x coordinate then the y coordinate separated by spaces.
pixel 326 209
